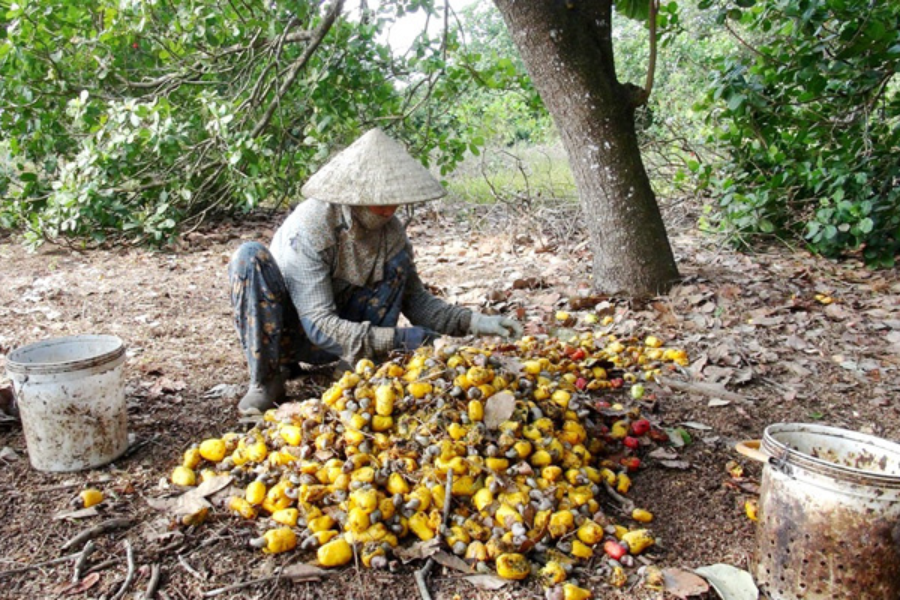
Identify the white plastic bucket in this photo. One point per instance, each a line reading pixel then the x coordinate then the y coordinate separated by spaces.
pixel 829 514
pixel 71 398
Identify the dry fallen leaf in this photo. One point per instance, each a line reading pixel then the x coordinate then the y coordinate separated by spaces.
pixel 682 465
pixel 296 410
pixel 79 587
pixel 185 504
pixel 192 501
pixel 419 550
pixel 730 582
pixel 81 513
pixel 498 408
pixel 683 584
pixel 211 485
pixel 697 426
pixel 452 562
pixel 662 453
pixel 486 582
pixel 298 572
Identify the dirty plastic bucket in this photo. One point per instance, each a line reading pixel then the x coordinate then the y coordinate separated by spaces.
pixel 829 514
pixel 71 398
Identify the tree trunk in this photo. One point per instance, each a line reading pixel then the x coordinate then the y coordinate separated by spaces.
pixel 567 48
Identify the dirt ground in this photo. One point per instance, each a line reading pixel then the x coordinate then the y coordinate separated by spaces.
pixel 760 326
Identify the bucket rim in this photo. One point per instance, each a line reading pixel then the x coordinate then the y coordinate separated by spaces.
pixel 15 364
pixel 813 463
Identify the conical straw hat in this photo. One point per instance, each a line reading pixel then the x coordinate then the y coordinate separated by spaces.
pixel 373 171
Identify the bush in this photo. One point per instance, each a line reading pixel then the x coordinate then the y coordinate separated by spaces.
pixel 811 119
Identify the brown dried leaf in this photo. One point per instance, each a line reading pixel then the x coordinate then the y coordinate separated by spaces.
pixel 682 465
pixel 683 584
pixel 452 562
pixel 80 586
pixel 585 302
pixel 82 513
pixel 193 501
pixel 299 411
pixel 298 572
pixel 663 454
pixel 164 385
pixel 419 550
pixel 498 408
pixel 186 504
pixel 486 582
pixel 509 363
pixel 211 485
pixel 837 312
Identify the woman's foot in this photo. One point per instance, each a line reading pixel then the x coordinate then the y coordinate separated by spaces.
pixel 260 397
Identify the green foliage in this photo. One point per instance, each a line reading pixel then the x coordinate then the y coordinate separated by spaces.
pixel 497 105
pixel 634 9
pixel 811 121
pixel 137 119
pixel 671 134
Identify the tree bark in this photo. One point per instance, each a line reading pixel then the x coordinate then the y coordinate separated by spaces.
pixel 567 47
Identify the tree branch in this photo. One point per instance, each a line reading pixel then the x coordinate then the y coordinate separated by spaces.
pixel 651 64
pixel 319 34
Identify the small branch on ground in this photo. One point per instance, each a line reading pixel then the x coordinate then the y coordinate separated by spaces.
pixel 129 574
pixel 238 586
pixel 97 530
pixel 422 573
pixel 82 559
pixel 153 584
pixel 100 566
pixel 705 389
pixel 625 504
pixel 46 563
pixel 189 568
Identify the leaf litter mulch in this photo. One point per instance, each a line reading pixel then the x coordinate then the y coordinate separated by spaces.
pixel 772 337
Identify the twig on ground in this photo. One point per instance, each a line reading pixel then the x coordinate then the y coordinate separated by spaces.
pixel 422 573
pixel 82 559
pixel 189 568
pixel 129 574
pixel 420 576
pixel 150 590
pixel 71 484
pixel 238 586
pixel 96 530
pixel 706 389
pixel 212 539
pixel 100 566
pixel 46 563
pixel 625 504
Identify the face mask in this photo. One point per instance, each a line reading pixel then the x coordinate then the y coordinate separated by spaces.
pixel 367 219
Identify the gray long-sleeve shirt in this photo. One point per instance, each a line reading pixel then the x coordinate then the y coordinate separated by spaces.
pixel 325 256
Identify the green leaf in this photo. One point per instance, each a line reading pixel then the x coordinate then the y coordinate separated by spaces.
pixel 866 225
pixel 736 101
pixel 634 9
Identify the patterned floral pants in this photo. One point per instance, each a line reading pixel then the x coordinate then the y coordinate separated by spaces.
pixel 267 322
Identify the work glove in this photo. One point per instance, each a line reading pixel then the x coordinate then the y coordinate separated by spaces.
pixel 410 338
pixel 490 325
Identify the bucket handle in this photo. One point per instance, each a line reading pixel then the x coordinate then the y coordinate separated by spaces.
pixel 750 449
